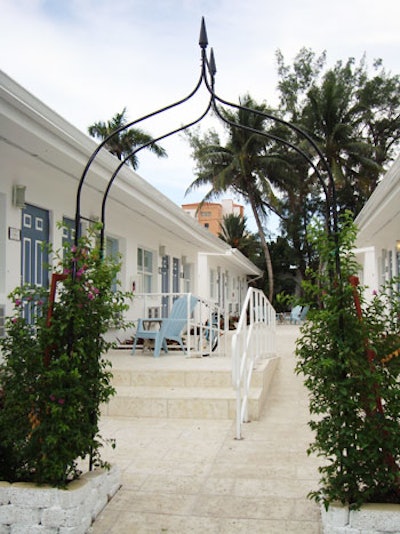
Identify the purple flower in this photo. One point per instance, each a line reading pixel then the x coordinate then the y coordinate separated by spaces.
pixel 52 398
pixel 374 292
pixel 18 302
pixel 61 401
pixel 90 295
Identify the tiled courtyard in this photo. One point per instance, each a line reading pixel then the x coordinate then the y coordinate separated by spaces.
pixel 191 476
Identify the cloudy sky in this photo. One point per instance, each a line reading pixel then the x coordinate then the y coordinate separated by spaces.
pixel 88 59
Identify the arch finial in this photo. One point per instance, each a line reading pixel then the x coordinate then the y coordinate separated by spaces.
pixel 203 41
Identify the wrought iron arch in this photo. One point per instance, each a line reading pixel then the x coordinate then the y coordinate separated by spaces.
pixel 207 78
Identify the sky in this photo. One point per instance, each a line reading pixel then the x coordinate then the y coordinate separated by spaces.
pixel 88 59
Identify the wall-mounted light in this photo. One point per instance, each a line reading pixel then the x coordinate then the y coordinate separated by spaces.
pixel 398 245
pixel 161 250
pixel 18 196
pixel 184 260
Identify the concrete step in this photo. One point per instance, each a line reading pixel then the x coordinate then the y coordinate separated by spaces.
pixel 180 393
pixel 172 378
pixel 178 402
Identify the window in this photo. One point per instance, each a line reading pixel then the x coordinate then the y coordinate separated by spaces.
pixel 187 277
pixel 111 249
pixel 2 320
pixel 213 291
pixel 145 268
pixel 68 233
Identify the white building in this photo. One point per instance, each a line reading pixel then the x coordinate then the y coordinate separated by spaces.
pixel 378 241
pixel 164 249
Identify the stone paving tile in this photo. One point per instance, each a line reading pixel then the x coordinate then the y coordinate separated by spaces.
pixel 229 506
pixel 183 476
pixel 172 524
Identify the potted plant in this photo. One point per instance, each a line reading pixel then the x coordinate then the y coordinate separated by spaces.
pixel 348 352
pixel 54 376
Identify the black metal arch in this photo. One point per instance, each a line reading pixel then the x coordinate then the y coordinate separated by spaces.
pixel 207 76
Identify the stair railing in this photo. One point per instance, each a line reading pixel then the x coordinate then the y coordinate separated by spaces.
pixel 204 326
pixel 254 338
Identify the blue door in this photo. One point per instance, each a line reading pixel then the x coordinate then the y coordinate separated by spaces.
pixel 34 258
pixel 176 275
pixel 165 285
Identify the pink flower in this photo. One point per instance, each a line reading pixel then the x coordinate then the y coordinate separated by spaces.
pixel 61 401
pixel 73 249
pixel 40 302
pixel 14 320
pixel 18 302
pixel 374 292
pixel 52 398
pixel 90 295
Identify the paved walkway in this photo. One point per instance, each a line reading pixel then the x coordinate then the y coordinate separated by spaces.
pixel 191 476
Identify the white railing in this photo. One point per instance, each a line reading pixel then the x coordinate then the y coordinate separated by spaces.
pixel 204 325
pixel 254 338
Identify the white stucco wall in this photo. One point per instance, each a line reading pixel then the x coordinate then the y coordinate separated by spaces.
pixel 41 151
pixel 379 232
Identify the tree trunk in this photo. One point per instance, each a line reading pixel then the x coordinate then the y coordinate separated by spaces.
pixel 265 248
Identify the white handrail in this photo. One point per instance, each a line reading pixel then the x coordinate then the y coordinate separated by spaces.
pixel 205 321
pixel 254 338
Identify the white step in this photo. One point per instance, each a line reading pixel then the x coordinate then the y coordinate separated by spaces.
pixel 180 393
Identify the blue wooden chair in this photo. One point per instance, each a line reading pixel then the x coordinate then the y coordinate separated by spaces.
pixel 298 314
pixel 303 314
pixel 295 315
pixel 170 328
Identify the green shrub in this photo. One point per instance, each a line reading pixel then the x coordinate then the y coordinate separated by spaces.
pixel 351 366
pixel 54 376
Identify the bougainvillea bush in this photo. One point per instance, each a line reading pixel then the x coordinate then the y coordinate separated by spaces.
pixel 349 353
pixel 54 376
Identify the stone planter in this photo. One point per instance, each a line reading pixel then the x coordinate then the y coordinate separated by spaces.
pixel 370 519
pixel 25 507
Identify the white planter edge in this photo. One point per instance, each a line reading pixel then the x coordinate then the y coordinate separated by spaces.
pixel 26 507
pixel 372 518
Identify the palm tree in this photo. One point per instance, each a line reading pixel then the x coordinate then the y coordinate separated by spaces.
pixel 233 228
pixel 126 141
pixel 233 231
pixel 335 119
pixel 241 166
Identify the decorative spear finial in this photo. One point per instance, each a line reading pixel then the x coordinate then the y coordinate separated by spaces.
pixel 212 66
pixel 203 41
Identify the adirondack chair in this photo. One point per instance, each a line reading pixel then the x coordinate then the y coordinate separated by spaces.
pixel 298 314
pixel 295 315
pixel 303 314
pixel 170 328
